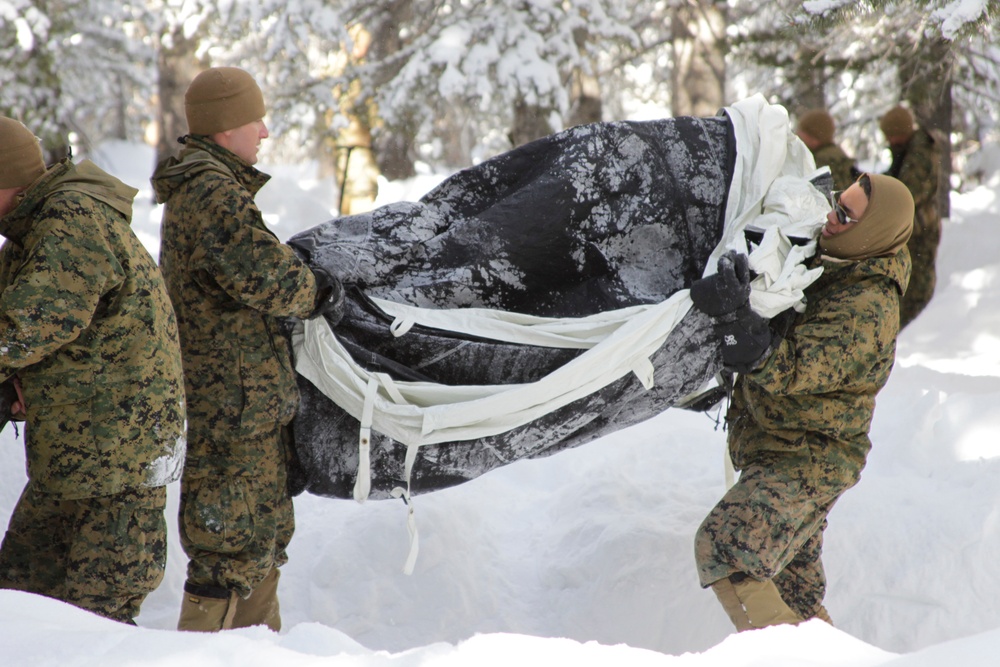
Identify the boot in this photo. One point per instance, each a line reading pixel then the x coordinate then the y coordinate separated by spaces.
pixel 753 604
pixel 206 609
pixel 261 608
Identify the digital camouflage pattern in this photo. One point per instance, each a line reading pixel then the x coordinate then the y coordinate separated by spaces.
pixel 229 278
pixel 87 326
pixel 918 166
pixel 798 431
pixel 841 166
pixel 62 548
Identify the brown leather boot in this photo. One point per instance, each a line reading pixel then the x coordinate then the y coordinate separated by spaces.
pixel 261 608
pixel 753 604
pixel 206 609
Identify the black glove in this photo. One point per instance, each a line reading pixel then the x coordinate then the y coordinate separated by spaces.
pixel 12 406
pixel 727 290
pixel 329 296
pixel 297 478
pixel 8 397
pixel 303 248
pixel 746 339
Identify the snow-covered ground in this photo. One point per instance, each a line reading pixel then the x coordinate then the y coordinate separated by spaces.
pixel 586 558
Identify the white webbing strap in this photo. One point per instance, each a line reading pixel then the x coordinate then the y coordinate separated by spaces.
pixel 411 519
pixel 390 387
pixel 401 326
pixel 363 481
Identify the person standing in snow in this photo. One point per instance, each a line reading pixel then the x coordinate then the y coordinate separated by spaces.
pixel 916 161
pixel 802 406
pixel 230 278
pixel 89 346
pixel 816 129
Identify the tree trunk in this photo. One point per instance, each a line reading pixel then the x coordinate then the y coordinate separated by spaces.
pixel 698 78
pixel 586 105
pixel 808 81
pixel 176 68
pixel 530 122
pixel 926 80
pixel 355 167
pixel 356 170
pixel 394 149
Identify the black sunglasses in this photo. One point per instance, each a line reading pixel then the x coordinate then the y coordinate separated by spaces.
pixel 839 209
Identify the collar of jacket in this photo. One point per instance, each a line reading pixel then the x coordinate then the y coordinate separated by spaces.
pixel 894 267
pixel 85 178
pixel 201 154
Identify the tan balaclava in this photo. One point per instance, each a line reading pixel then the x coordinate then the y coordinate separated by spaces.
pixel 818 124
pixel 897 122
pixel 222 98
pixel 884 227
pixel 21 161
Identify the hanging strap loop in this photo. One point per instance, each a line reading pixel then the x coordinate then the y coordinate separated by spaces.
pixel 363 481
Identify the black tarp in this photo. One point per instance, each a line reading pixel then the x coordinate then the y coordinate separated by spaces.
pixel 595 218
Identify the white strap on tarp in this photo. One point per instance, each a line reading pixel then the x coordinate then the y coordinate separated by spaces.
pixel 420 413
pixel 411 518
pixel 363 481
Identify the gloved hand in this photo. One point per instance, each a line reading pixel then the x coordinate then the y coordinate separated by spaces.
pixel 12 407
pixel 746 339
pixel 329 296
pixel 727 290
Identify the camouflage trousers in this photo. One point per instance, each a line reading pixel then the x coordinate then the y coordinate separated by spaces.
pixel 236 522
pixel 770 525
pixel 923 249
pixel 103 554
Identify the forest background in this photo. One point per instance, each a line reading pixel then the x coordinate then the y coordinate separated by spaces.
pixel 387 88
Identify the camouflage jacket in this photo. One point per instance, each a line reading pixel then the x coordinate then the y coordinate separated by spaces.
pixel 918 166
pixel 229 277
pixel 815 395
pixel 841 167
pixel 86 324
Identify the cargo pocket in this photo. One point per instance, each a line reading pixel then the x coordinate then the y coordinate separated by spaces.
pixel 217 514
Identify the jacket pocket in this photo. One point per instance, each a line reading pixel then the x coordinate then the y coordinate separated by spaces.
pixel 63 455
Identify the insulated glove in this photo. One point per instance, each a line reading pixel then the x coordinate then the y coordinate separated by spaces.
pixel 329 296
pixel 12 406
pixel 746 339
pixel 725 291
pixel 8 397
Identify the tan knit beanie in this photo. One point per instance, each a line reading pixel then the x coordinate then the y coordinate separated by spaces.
pixel 222 98
pixel 21 161
pixel 884 227
pixel 897 122
pixel 818 124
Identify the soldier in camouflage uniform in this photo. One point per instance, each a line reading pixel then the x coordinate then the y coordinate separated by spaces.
pixel 229 279
pixel 916 161
pixel 816 129
pixel 802 407
pixel 89 337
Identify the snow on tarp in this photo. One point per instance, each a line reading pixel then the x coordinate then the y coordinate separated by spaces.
pixel 539 300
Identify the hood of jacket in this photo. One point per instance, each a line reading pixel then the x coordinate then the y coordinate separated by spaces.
pixel 199 156
pixel 85 178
